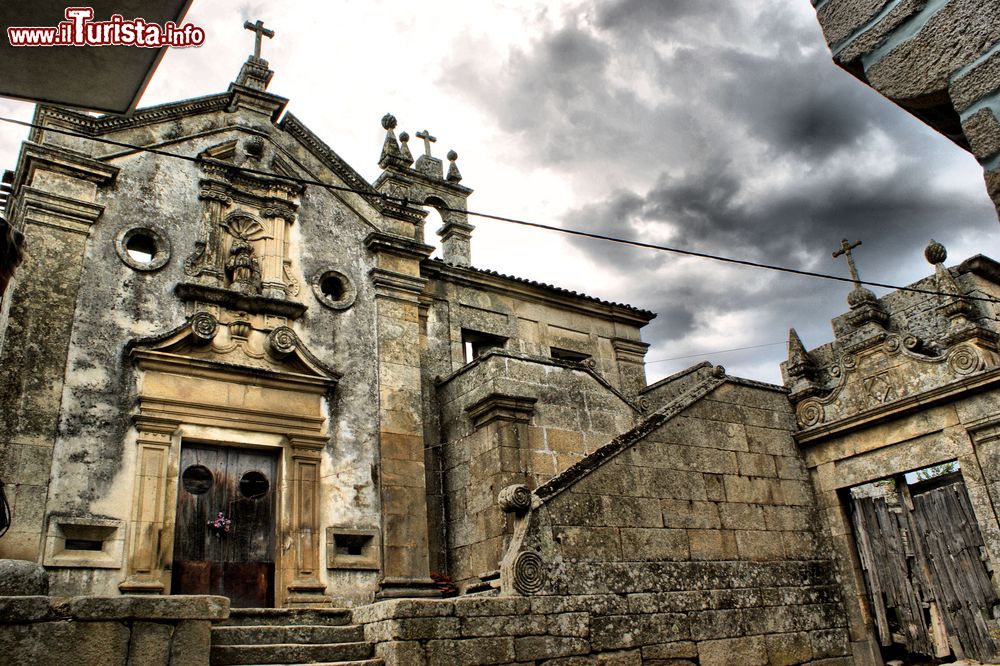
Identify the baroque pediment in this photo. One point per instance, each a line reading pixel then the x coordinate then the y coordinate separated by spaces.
pixel 232 348
pixel 888 376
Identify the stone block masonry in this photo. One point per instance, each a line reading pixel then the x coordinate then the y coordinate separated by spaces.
pixel 108 631
pixel 707 627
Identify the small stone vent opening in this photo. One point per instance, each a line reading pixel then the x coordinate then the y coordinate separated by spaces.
pixel 350 548
pixel 84 542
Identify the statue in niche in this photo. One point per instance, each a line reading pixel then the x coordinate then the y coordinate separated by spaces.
pixel 243 268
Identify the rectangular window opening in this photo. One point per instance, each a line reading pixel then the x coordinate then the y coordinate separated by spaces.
pixel 568 355
pixel 476 343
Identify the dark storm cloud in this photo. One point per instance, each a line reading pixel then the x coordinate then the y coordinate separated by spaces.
pixel 744 141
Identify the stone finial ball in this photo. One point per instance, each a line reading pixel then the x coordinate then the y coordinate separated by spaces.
pixel 388 122
pixel 860 296
pixel 452 156
pixel 935 253
pixel 404 137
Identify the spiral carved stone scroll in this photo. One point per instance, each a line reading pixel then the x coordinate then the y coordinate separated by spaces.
pixel 282 341
pixel 203 327
pixel 964 360
pixel 528 573
pixel 515 499
pixel 809 413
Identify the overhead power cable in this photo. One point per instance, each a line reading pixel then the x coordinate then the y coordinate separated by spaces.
pixel 712 353
pixel 402 201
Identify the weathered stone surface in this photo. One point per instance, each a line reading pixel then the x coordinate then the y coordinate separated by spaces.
pixel 840 18
pixel 150 644
pixel 983 131
pixel 191 643
pixel 870 39
pixel 176 607
pixel 745 651
pixel 46 643
pixel 19 578
pixel 976 83
pixel 531 648
pixel 470 651
pixel 957 33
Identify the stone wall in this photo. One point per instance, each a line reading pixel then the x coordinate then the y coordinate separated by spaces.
pixel 676 628
pixel 103 631
pixel 509 419
pixel 702 522
pixel 939 60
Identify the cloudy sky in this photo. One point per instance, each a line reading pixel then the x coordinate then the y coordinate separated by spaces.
pixel 720 126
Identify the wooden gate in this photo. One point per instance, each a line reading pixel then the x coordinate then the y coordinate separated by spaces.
pixel 926 569
pixel 225 530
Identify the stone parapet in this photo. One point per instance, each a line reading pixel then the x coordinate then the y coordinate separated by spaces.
pixel 713 627
pixel 153 631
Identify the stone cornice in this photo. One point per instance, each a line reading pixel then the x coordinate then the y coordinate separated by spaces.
pixel 235 300
pixel 110 123
pixel 398 246
pixel 412 175
pixel 60 160
pixel 957 389
pixel 48 209
pixel 535 291
pixel 499 407
pixel 397 285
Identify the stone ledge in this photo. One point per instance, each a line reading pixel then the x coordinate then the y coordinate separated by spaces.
pixel 18 610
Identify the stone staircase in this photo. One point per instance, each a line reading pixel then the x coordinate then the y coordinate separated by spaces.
pixel 322 637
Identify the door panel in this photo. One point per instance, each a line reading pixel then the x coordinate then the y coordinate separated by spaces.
pixel 225 533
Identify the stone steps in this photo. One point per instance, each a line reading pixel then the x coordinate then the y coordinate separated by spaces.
pixel 273 636
pixel 264 634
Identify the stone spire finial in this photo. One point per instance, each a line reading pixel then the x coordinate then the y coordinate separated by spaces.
pixel 404 148
pixel 454 175
pixel 957 309
pixel 390 148
pixel 800 364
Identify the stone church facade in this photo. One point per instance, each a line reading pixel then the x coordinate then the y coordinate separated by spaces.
pixel 239 373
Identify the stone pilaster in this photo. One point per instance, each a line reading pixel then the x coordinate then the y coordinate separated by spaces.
pixel 631 358
pixel 456 239
pixel 302 569
pixel 402 479
pixel 54 205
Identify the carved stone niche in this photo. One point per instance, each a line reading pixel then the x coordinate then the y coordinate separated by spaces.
pixel 246 220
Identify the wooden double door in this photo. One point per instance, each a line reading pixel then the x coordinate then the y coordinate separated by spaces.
pixel 926 569
pixel 224 538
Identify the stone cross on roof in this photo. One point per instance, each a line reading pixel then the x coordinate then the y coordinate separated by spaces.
pixel 845 249
pixel 261 31
pixel 428 140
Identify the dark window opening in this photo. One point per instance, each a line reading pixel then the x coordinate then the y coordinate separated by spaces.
pixel 254 485
pixel 568 355
pixel 475 344
pixel 351 544
pixel 141 247
pixel 333 287
pixel 197 479
pixel 84 544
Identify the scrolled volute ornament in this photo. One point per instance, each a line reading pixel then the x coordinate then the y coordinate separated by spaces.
pixel 282 341
pixel 515 499
pixel 643 404
pixel 529 573
pixel 204 327
pixel 964 360
pixel 809 413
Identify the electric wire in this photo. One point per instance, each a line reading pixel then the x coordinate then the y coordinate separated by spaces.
pixel 405 203
pixel 712 353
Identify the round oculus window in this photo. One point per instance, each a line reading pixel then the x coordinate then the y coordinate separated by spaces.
pixel 197 479
pixel 254 485
pixel 334 289
pixel 143 248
